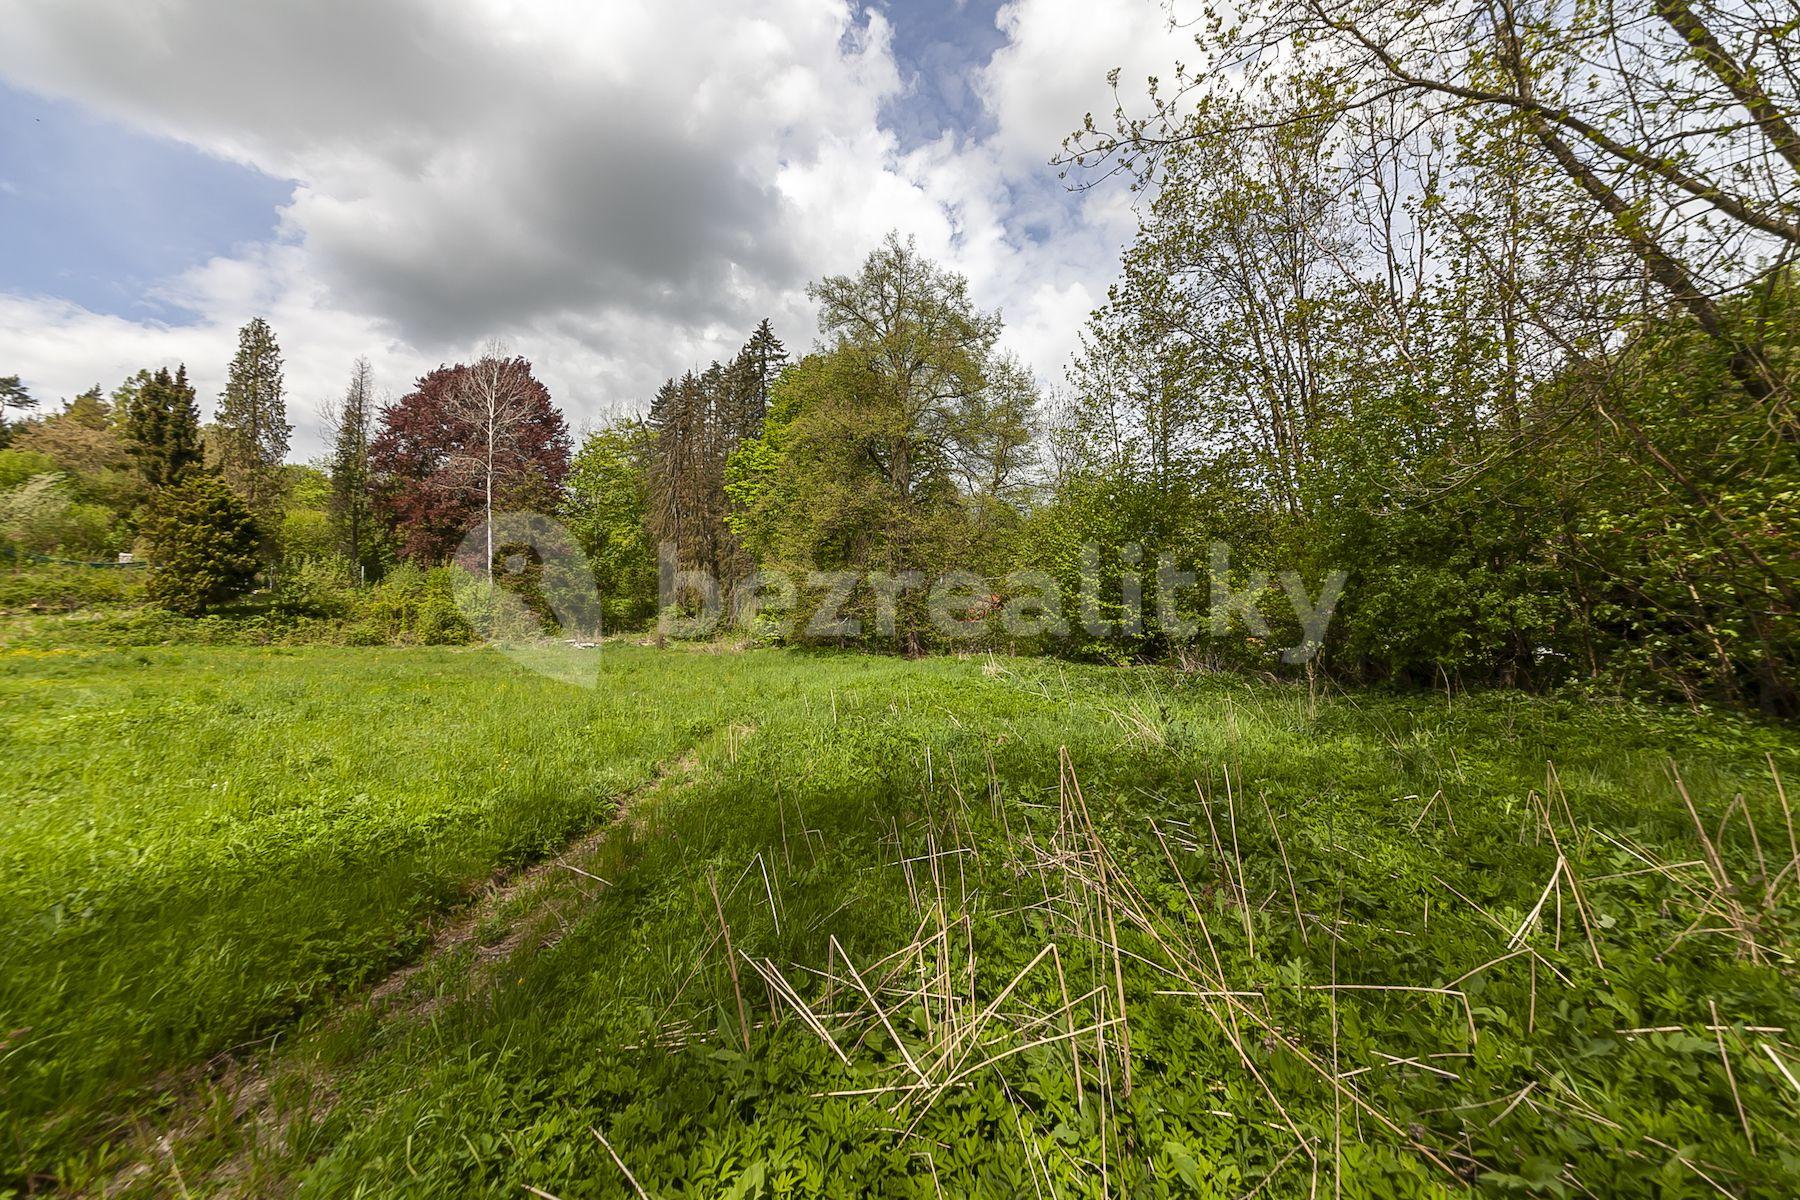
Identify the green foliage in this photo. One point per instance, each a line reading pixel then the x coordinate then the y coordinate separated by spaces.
pixel 899 447
pixel 241 857
pixel 252 418
pixel 1388 378
pixel 307 533
pixel 314 586
pixel 13 394
pixel 17 466
pixel 605 509
pixel 42 516
pixel 350 505
pixel 68 588
pixel 412 606
pixel 203 545
pixel 162 425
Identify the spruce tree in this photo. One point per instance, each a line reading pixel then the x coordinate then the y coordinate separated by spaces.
pixel 767 356
pixel 203 544
pixel 162 426
pixel 753 372
pixel 253 419
pixel 350 506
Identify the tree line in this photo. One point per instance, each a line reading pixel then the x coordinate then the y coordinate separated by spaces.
pixel 1488 306
pixel 215 507
pixel 1493 304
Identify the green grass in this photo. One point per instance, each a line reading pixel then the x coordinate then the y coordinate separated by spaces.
pixel 211 854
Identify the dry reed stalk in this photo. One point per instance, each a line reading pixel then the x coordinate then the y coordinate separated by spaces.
pixel 1787 815
pixel 731 962
pixel 1779 1065
pixel 620 1163
pixel 1238 858
pixel 1731 1077
pixel 880 1012
pixel 778 983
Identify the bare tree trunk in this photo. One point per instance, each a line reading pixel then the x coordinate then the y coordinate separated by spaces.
pixel 1753 370
pixel 1740 83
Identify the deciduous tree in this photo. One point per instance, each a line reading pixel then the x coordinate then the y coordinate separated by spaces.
pixel 464 442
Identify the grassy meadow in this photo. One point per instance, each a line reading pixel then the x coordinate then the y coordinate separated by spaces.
pixel 320 921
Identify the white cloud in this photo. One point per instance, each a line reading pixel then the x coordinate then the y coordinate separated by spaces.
pixel 620 190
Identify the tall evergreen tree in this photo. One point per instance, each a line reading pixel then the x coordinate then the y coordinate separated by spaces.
pixel 203 545
pixel 697 423
pixel 162 425
pixel 253 418
pixel 350 504
pixel 13 394
pixel 761 361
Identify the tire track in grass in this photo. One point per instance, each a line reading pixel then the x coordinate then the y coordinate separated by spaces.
pixel 532 889
pixel 528 906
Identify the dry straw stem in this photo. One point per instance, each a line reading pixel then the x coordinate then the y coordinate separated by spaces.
pixel 730 961
pixel 620 1163
pixel 880 1012
pixel 1779 1065
pixel 1134 907
pixel 1437 799
pixel 781 987
pixel 1731 1077
pixel 1568 870
pixel 1792 870
pixel 1102 861
pixel 1495 922
pixel 1725 899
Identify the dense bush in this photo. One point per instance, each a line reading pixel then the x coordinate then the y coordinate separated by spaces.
pixel 313 587
pixel 411 605
pixel 17 466
pixel 43 516
pixel 29 585
pixel 203 546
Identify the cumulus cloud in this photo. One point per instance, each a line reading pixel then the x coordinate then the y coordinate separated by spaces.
pixel 618 190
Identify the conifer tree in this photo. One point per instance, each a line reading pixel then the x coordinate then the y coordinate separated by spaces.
pixel 13 394
pixel 763 357
pixel 697 423
pixel 90 409
pixel 350 505
pixel 253 418
pixel 203 543
pixel 162 425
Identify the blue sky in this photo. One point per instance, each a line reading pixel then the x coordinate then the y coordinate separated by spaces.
pixel 618 192
pixel 941 44
pixel 95 212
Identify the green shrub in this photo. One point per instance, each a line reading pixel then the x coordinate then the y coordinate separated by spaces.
pixel 55 586
pixel 439 622
pixel 17 466
pixel 314 587
pixel 42 516
pixel 204 544
pixel 306 533
pixel 413 605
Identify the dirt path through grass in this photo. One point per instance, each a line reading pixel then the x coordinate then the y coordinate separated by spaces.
pixel 527 909
pixel 524 905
